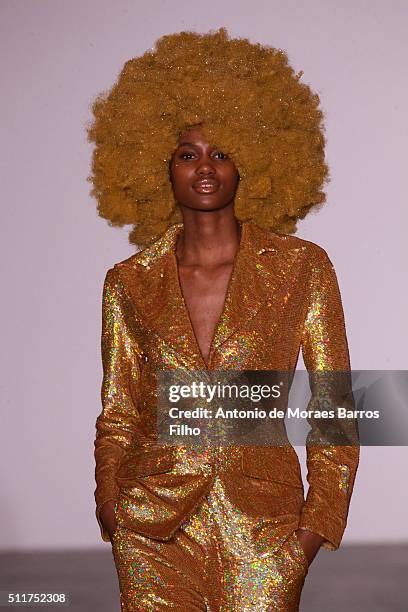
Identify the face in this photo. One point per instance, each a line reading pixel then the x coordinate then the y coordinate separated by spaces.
pixel 203 177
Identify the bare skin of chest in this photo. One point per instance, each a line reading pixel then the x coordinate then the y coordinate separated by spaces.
pixel 204 291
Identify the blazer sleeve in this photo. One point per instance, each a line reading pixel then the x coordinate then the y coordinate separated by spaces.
pixel 331 467
pixel 116 424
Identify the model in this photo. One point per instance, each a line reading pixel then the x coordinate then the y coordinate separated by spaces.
pixel 212 149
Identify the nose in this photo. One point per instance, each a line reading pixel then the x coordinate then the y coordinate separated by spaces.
pixel 205 167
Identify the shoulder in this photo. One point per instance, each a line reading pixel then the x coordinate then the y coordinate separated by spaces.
pixel 153 253
pixel 131 261
pixel 315 254
pixel 137 273
pixel 141 258
pixel 308 246
pixel 310 252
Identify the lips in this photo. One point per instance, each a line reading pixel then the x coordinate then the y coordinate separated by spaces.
pixel 206 185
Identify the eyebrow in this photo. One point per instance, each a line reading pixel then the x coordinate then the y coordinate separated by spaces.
pixel 192 144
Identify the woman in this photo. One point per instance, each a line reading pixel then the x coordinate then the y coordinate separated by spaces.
pixel 215 529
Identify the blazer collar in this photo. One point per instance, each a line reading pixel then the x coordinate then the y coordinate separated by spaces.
pixel 263 261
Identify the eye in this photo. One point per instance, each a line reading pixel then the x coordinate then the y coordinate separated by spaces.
pixel 221 154
pixel 186 155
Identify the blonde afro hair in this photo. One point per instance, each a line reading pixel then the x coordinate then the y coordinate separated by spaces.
pixel 247 101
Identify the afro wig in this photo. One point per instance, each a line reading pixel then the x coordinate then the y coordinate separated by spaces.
pixel 246 100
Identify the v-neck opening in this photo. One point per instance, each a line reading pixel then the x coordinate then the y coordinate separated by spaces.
pixel 226 298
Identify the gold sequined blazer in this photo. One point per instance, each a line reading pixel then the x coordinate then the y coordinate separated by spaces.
pixel 283 296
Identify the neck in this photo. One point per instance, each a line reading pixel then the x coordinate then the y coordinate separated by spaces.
pixel 208 238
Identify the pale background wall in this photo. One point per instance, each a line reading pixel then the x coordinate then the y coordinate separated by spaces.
pixel 55 57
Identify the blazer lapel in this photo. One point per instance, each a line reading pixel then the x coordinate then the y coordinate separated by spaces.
pixel 262 264
pixel 152 284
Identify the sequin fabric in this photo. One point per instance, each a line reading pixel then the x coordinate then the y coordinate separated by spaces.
pixel 211 564
pixel 217 524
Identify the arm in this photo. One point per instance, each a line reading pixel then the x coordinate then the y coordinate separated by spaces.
pixel 331 468
pixel 116 425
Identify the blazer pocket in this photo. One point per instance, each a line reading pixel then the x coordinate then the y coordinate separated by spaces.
pixel 146 463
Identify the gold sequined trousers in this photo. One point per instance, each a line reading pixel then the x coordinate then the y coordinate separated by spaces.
pixel 210 564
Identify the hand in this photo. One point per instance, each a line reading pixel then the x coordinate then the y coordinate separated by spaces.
pixel 310 542
pixel 107 516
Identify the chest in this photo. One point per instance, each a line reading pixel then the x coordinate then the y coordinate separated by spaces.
pixel 247 318
pixel 204 293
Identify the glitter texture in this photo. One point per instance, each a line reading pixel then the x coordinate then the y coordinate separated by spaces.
pixel 212 563
pixel 215 526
